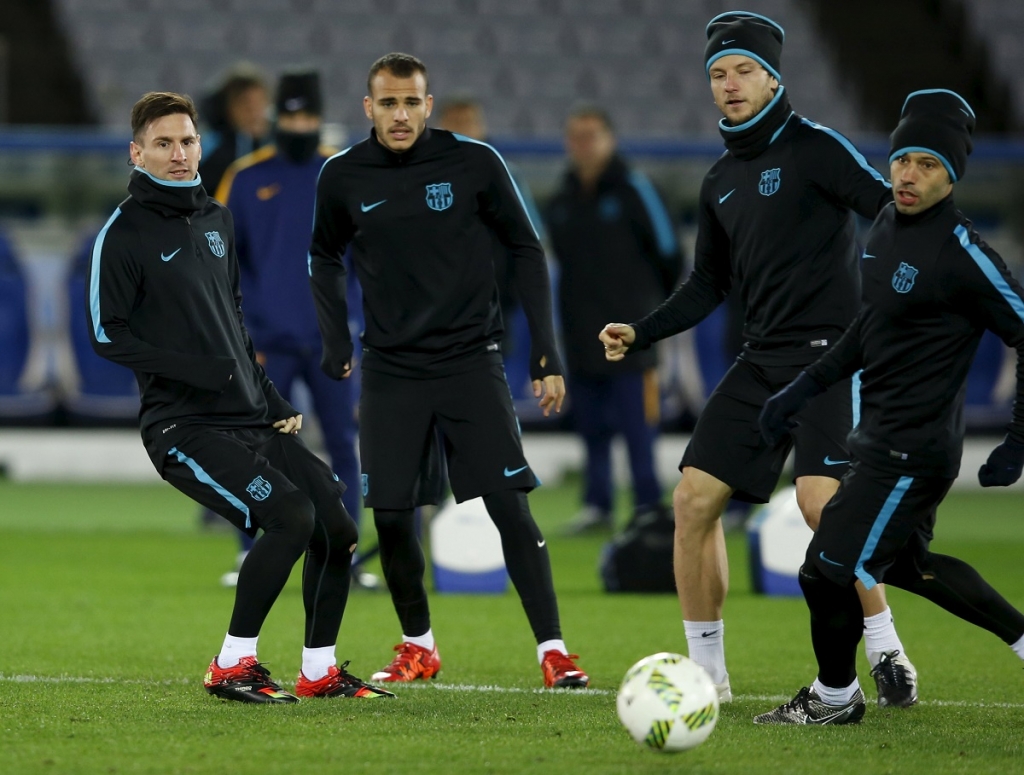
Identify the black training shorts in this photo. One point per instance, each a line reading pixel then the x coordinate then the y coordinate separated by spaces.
pixel 727 441
pixel 242 473
pixel 873 521
pixel 398 419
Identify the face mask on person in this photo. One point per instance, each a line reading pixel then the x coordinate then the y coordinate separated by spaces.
pixel 297 146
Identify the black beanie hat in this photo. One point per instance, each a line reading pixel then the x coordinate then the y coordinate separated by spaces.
pixel 748 34
pixel 939 122
pixel 299 90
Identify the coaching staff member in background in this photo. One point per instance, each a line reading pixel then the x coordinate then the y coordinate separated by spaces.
pixel 424 211
pixel 619 258
pixel 931 289
pixel 163 300
pixel 776 226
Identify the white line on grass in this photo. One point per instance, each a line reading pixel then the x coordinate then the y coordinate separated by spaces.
pixel 71 679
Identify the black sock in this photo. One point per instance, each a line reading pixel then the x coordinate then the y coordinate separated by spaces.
pixel 960 589
pixel 401 557
pixel 286 533
pixel 527 560
pixel 325 574
pixel 837 623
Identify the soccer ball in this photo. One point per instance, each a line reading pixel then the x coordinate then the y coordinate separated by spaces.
pixel 668 702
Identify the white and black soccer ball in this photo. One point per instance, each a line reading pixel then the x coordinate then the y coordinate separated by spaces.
pixel 668 702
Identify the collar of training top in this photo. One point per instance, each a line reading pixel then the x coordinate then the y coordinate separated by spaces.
pixel 751 138
pixel 165 196
pixel 422 145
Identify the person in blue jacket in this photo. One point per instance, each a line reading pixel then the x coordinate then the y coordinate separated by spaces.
pixel 271 193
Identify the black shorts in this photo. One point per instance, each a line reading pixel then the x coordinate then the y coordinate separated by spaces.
pixel 727 441
pixel 872 521
pixel 242 473
pixel 399 417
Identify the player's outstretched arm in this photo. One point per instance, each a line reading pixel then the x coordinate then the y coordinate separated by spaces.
pixel 617 337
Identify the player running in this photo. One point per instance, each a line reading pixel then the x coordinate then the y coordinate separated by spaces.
pixel 931 289
pixel 776 226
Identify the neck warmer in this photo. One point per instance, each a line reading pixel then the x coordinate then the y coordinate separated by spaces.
pixel 750 139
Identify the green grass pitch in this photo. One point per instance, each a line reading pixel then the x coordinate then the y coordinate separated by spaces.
pixel 110 610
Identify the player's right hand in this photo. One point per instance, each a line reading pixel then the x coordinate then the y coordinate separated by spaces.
pixel 617 337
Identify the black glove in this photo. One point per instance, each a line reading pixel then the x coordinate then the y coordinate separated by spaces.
pixel 774 419
pixel 1004 465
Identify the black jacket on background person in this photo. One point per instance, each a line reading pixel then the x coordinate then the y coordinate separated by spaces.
pixel 162 299
pixel 619 259
pixel 424 226
pixel 775 225
pixel 931 288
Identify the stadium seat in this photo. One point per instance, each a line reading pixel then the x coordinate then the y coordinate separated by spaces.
pixel 17 406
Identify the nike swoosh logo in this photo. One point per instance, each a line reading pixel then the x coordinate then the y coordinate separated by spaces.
pixel 367 208
pixel 830 462
pixel 168 258
pixel 540 544
pixel 709 634
pixel 868 255
pixel 723 198
pixel 731 40
pixel 513 473
pixel 830 562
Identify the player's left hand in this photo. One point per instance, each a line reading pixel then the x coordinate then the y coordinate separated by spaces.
pixel 1004 465
pixel 551 392
pixel 290 425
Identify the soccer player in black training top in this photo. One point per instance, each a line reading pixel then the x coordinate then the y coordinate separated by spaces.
pixel 931 289
pixel 163 300
pixel 424 211
pixel 776 226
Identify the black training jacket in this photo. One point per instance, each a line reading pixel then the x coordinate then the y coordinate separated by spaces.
pixel 931 288
pixel 163 300
pixel 424 226
pixel 776 225
pixel 619 258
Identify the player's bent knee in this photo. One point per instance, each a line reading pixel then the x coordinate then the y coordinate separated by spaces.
pixel 293 515
pixel 693 505
pixel 340 527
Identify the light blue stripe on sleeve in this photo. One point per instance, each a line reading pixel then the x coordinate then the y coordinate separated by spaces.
pixel 888 509
pixel 94 280
pixel 855 389
pixel 205 478
pixel 857 155
pixel 990 271
pixel 663 230
pixel 519 194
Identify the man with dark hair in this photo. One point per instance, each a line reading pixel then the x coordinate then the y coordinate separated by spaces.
pixel 163 299
pixel 607 222
pixel 932 287
pixel 270 193
pixel 237 113
pixel 776 226
pixel 424 211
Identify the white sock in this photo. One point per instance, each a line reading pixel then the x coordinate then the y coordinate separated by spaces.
pixel 1018 647
pixel 831 696
pixel 234 649
pixel 706 642
pixel 550 645
pixel 880 636
pixel 424 641
pixel 316 662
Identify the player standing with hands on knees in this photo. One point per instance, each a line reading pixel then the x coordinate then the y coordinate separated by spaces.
pixel 163 299
pixel 425 211
pixel 932 287
pixel 776 226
